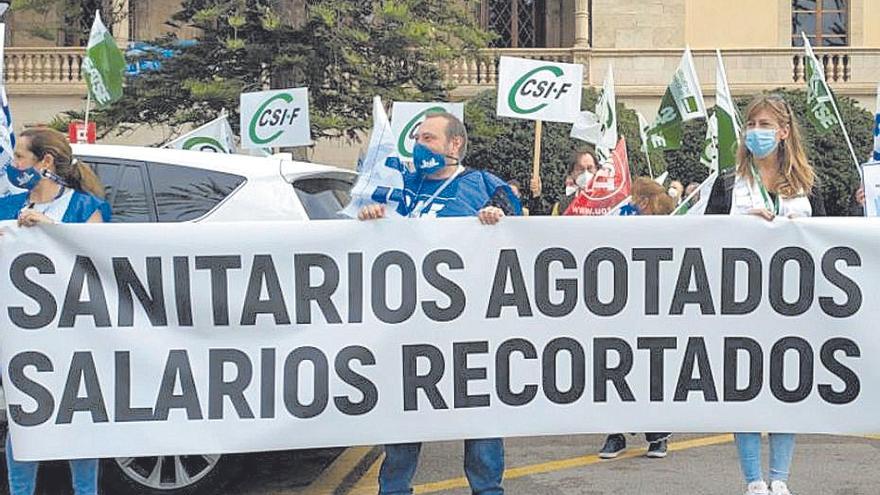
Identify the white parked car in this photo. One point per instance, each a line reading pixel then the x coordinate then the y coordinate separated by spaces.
pixel 165 185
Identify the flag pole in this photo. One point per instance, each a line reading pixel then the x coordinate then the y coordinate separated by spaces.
pixel 88 107
pixel 650 168
pixel 852 151
pixel 536 160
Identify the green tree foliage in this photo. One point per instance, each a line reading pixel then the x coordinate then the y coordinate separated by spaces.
pixel 74 18
pixel 344 52
pixel 506 146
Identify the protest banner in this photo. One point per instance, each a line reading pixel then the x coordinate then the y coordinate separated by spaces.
pixel 275 118
pixel 407 116
pixel 288 335
pixel 609 188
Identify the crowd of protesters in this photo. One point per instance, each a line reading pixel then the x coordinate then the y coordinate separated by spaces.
pixel 772 178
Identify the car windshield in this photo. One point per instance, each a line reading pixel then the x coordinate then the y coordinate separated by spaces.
pixel 323 197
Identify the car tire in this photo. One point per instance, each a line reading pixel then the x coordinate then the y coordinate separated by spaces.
pixel 177 475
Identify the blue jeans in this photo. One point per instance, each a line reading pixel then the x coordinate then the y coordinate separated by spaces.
pixel 748 445
pixel 23 474
pixel 483 466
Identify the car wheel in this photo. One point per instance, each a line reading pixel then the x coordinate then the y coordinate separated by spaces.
pixel 170 475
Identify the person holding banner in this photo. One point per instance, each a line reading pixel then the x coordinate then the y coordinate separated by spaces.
pixel 442 187
pixel 772 178
pixel 58 189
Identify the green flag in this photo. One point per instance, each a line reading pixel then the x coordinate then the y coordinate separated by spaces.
pixel 723 134
pixel 820 105
pixel 683 101
pixel 103 65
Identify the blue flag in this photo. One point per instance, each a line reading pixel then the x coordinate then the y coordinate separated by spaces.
pixel 7 145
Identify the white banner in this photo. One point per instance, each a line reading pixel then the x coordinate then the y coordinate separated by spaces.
pixel 275 118
pixel 259 336
pixel 406 117
pixel 539 90
pixel 871 178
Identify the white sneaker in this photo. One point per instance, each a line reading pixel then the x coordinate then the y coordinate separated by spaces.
pixel 757 488
pixel 779 488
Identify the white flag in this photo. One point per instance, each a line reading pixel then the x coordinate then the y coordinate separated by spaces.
pixel 380 179
pixel 600 127
pixel 696 203
pixel 215 136
pixel 709 156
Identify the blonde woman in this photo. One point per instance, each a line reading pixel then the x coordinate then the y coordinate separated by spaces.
pixel 772 179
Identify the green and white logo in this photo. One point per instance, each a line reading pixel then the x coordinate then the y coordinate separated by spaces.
pixel 275 118
pixel 216 136
pixel 539 90
pixel 407 118
pixel 202 143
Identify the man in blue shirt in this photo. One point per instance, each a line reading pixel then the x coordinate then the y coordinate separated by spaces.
pixel 440 186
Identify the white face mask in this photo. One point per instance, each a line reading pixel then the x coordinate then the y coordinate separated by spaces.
pixel 673 192
pixel 583 179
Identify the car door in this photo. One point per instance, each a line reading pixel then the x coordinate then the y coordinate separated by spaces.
pixel 126 188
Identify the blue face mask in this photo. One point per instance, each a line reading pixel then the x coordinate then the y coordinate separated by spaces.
pixel 24 179
pixel 426 161
pixel 761 142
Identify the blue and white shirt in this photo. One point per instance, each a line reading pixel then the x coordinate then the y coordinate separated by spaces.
pixel 71 207
pixel 463 195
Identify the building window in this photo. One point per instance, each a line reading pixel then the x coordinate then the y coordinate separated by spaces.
pixel 518 23
pixel 825 22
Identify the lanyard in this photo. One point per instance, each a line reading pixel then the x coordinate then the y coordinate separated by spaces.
pixel 439 190
pixel 31 204
pixel 771 205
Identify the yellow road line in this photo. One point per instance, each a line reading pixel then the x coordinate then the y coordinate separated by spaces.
pixel 335 474
pixel 563 464
pixel 369 482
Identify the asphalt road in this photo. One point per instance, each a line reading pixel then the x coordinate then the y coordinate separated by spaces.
pixel 697 464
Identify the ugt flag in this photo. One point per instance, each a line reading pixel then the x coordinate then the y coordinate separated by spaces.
pixel 380 177
pixel 610 186
pixel 103 65
pixel 820 101
pixel 682 101
pixel 600 128
pixel 215 136
pixel 724 128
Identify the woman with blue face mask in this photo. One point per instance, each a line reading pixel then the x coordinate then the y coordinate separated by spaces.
pixel 57 189
pixel 772 179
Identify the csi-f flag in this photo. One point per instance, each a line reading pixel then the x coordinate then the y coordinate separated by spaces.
pixel 103 65
pixel 380 175
pixel 820 104
pixel 215 136
pixel 600 128
pixel 724 127
pixel 682 101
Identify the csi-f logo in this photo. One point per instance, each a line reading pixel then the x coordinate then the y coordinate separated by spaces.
pixel 536 89
pixel 410 132
pixel 203 143
pixel 271 117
